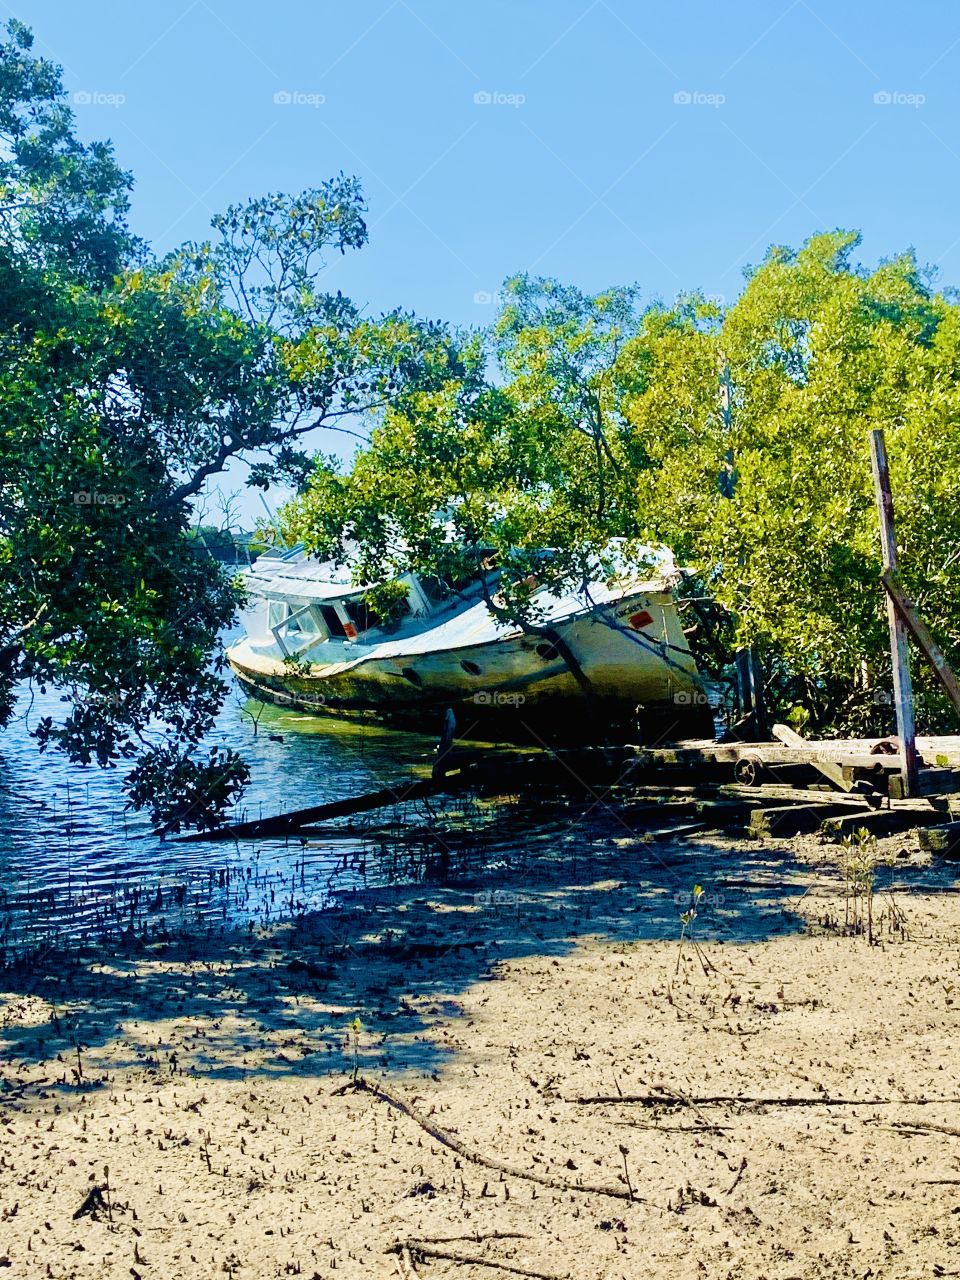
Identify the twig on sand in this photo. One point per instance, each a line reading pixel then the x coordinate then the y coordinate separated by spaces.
pixel 682 1098
pixel 477 1157
pixel 911 1128
pixel 405 1263
pixel 476 1237
pixel 740 1172
pixel 425 1250
pixel 731 1099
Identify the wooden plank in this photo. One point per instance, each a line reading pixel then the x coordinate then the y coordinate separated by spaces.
pixel 880 822
pixel 781 822
pixel 838 752
pixel 832 772
pixel 930 782
pixel 918 628
pixel 899 640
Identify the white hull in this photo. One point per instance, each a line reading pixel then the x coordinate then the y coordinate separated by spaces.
pixel 631 665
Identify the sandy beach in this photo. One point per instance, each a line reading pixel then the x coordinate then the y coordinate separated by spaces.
pixel 542 1082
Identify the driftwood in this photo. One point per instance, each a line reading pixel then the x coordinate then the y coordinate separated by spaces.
pixel 425 1250
pixel 745 1100
pixel 476 1157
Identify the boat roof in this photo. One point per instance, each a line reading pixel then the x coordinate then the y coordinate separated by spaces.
pixel 296 574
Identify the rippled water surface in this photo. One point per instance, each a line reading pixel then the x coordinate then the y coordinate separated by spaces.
pixel 72 857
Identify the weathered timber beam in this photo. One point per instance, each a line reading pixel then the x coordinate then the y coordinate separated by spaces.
pixel 899 640
pixel 918 629
pixel 832 772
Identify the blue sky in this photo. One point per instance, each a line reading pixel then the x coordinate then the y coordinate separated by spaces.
pixel 600 141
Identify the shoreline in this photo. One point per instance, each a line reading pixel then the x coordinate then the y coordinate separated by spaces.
pixel 213 1079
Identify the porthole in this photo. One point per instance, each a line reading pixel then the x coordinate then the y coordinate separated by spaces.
pixel 469 667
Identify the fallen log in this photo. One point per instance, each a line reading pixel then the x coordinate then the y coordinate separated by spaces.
pixel 288 823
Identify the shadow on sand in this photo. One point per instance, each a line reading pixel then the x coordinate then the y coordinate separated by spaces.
pixel 281 1001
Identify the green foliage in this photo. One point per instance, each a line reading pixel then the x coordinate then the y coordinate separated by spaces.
pixel 464 471
pixel 605 420
pixel 821 351
pixel 126 383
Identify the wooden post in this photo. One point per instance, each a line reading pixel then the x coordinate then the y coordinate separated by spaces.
pixel 899 636
pixel 750 693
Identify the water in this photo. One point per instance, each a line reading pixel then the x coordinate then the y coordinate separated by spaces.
pixel 75 862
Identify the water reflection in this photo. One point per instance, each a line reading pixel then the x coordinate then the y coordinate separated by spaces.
pixel 74 860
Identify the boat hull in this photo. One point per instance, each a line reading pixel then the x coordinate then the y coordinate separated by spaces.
pixel 632 673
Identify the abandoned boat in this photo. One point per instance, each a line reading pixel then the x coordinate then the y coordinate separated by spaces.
pixel 610 656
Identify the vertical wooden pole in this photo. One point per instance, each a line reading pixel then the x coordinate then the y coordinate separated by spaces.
pixel 899 637
pixel 750 692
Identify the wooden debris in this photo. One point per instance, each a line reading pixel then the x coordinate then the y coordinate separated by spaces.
pixel 899 636
pixel 743 1100
pixel 832 772
pixel 362 1085
pixel 918 628
pixel 783 821
pixel 425 1250
pixel 880 822
pixel 943 839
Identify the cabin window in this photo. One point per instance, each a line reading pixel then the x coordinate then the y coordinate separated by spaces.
pixel 332 620
pixel 363 617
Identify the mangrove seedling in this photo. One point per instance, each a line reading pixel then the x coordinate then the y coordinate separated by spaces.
pixel 687 919
pixel 857 861
pixel 356 1026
